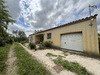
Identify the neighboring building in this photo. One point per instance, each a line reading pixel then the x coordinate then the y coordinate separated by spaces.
pixel 80 35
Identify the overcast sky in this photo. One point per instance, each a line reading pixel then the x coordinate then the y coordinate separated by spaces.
pixel 31 15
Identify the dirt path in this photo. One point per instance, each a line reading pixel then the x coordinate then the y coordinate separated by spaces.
pixel 11 62
pixel 40 55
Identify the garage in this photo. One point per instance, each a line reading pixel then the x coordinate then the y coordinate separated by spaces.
pixel 72 41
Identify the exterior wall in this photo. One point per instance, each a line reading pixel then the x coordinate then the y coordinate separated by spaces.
pixel 89 33
pixel 30 38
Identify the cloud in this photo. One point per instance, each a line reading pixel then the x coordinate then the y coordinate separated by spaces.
pixel 57 12
pixel 15 26
pixel 44 14
pixel 13 7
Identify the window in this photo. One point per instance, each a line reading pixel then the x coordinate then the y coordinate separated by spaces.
pixel 48 35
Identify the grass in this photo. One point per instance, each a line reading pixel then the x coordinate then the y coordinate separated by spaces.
pixel 50 54
pixel 65 54
pixel 3 58
pixel 27 65
pixel 72 66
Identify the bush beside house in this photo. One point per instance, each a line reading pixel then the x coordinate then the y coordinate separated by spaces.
pixel 32 46
pixel 45 44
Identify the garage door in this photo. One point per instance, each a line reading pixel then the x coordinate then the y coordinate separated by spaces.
pixel 72 41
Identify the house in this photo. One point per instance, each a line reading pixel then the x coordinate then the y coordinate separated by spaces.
pixel 99 37
pixel 80 35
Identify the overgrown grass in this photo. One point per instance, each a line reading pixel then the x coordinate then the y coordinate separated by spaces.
pixel 27 65
pixel 3 58
pixel 72 66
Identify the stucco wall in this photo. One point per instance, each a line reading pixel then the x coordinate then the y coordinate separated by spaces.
pixel 89 33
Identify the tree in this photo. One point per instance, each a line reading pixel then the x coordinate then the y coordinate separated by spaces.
pixel 5 18
pixel 15 32
pixel 98 34
pixel 20 36
pixel 37 31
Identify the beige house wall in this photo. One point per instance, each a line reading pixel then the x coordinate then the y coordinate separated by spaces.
pixel 30 38
pixel 89 33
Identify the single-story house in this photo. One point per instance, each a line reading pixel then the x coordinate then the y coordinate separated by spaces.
pixel 99 37
pixel 80 35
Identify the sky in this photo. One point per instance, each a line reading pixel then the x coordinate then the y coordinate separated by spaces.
pixel 31 15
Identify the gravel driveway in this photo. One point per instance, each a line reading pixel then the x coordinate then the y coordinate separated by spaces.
pixel 92 65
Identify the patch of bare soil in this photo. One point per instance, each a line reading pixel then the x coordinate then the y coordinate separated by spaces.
pixel 12 62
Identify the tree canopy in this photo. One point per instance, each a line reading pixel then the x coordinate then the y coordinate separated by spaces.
pixel 20 35
pixel 5 18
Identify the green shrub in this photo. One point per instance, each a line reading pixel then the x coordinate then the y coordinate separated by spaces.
pixel 47 44
pixel 22 42
pixel 11 40
pixel 2 42
pixel 41 46
pixel 32 46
